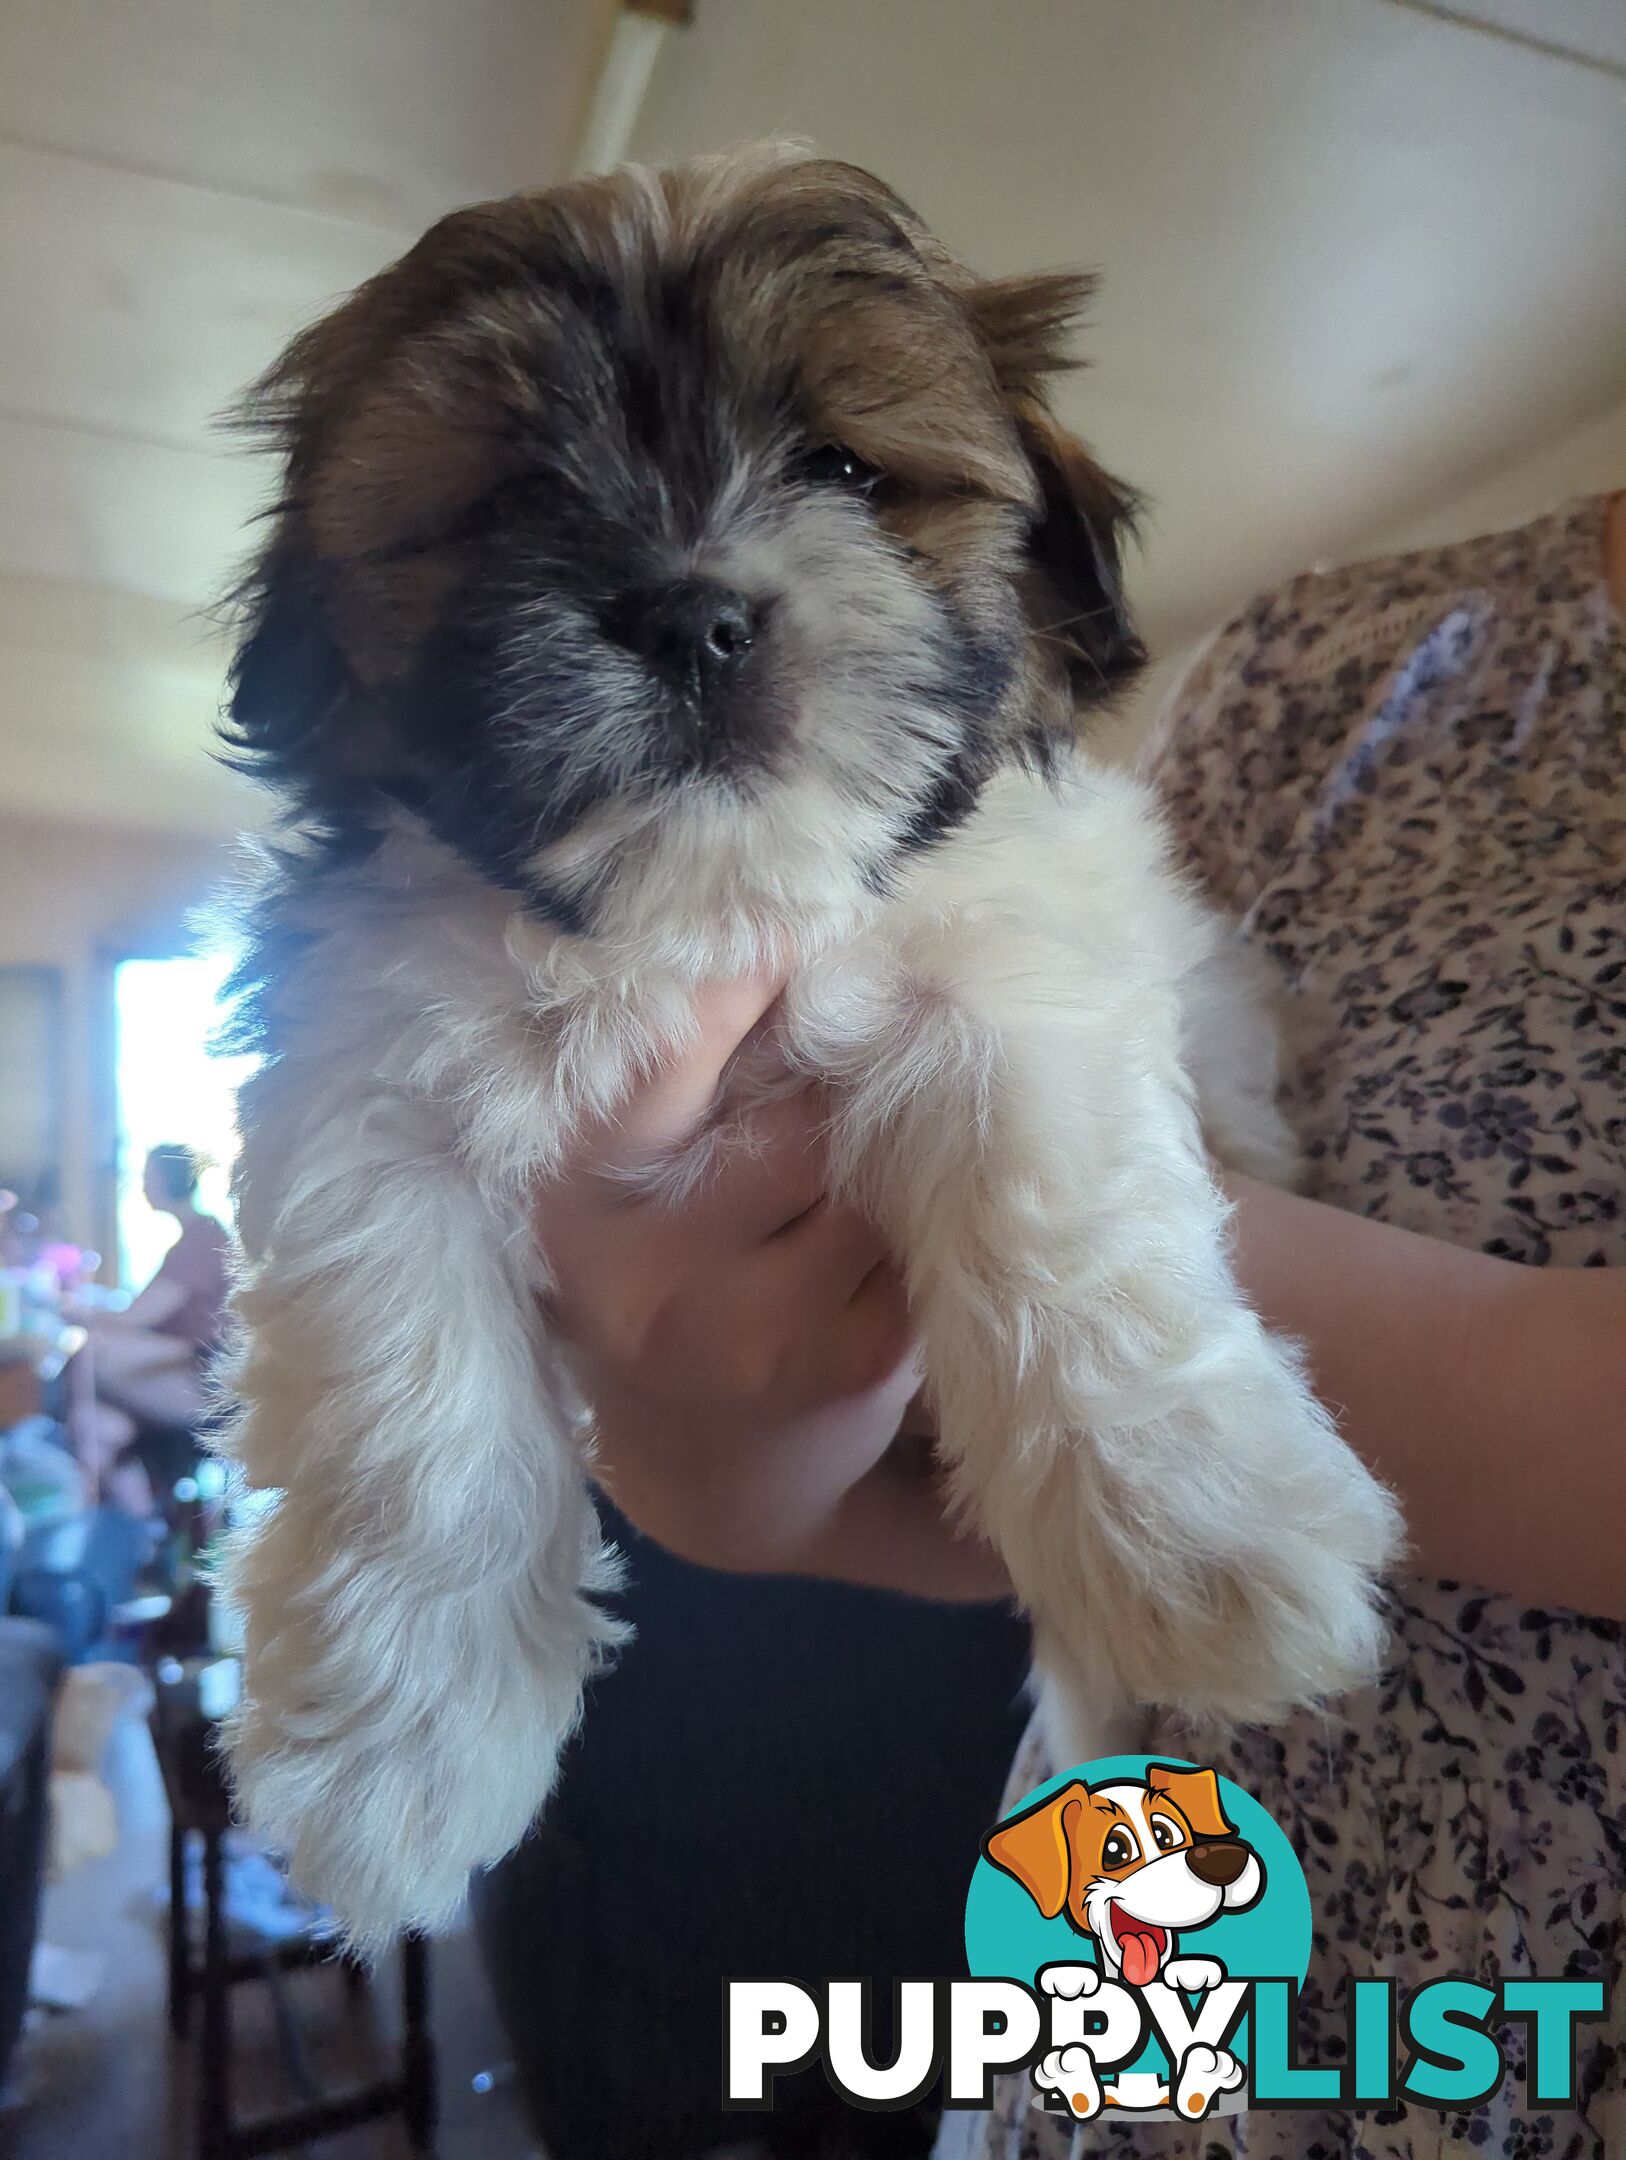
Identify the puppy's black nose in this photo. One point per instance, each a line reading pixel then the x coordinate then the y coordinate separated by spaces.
pixel 1219 1863
pixel 690 627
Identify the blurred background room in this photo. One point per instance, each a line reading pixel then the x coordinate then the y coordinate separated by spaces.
pixel 1364 284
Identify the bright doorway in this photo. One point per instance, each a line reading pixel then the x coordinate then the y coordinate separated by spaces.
pixel 170 1086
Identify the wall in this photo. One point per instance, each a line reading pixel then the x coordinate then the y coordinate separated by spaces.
pixel 79 897
pixel 1588 460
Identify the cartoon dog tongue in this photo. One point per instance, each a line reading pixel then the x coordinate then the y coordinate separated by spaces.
pixel 1140 1944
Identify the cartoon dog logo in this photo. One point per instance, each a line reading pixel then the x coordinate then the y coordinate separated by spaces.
pixel 1133 1864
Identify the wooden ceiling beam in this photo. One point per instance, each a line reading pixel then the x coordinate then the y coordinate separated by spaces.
pixel 635 33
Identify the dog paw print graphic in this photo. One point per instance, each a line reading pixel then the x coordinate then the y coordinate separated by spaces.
pixel 1139 1899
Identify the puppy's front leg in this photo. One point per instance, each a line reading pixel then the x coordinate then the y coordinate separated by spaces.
pixel 416 1607
pixel 1175 1510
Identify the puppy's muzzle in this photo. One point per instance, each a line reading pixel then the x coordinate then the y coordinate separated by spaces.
pixel 1219 1862
pixel 695 631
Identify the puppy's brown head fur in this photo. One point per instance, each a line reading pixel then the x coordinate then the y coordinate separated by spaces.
pixel 701 528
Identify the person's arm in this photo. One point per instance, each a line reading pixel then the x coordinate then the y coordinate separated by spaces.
pixel 747 1357
pixel 1491 1396
pixel 150 1308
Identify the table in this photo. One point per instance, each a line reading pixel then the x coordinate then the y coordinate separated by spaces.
pixel 187 1739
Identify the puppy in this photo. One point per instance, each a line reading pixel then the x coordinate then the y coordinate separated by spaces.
pixel 675 571
pixel 1131 1864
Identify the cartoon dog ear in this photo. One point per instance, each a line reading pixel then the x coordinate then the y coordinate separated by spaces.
pixel 1196 1794
pixel 1035 1848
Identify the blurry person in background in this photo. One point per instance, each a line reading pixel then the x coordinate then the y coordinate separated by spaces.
pixel 151 1359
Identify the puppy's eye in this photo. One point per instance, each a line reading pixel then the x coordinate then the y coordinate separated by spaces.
pixel 1164 1834
pixel 834 465
pixel 1119 1849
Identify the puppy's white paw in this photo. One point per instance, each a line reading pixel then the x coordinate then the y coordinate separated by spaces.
pixel 1069 1981
pixel 1205 2074
pixel 1238 1575
pixel 389 1836
pixel 389 1761
pixel 1193 1975
pixel 1070 2073
pixel 1281 1605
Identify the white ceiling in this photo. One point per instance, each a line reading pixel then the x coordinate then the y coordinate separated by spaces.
pixel 183 183
pixel 1353 256
pixel 1585 29
pixel 1357 256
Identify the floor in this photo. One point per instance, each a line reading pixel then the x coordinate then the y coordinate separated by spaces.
pixel 106 2079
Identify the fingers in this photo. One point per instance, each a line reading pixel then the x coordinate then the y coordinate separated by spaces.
pixel 774 1323
pixel 764 1178
pixel 819 1315
pixel 748 1286
pixel 672 1100
pixel 877 1333
pixel 770 1171
pixel 824 1253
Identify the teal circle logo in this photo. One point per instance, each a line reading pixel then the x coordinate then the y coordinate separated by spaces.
pixel 1138 1885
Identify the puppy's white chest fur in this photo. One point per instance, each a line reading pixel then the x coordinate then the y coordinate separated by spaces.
pixel 1007 1038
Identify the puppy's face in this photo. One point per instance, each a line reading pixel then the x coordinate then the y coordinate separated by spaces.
pixel 695 543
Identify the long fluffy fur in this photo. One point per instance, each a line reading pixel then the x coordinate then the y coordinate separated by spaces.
pixel 1014 1111
pixel 1004 1019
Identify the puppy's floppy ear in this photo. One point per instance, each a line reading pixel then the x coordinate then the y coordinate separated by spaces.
pixel 296 714
pixel 1035 1848
pixel 1026 325
pixel 1076 548
pixel 1196 1794
pixel 287 678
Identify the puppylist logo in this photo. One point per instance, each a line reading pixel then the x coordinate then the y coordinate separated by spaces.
pixel 1137 1933
pixel 1138 1869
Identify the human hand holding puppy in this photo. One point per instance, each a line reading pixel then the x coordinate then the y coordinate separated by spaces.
pixel 749 1359
pixel 747 1353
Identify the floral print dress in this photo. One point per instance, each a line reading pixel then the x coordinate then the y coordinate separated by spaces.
pixel 1407 780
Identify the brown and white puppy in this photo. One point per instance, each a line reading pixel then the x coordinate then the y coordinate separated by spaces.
pixel 674 570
